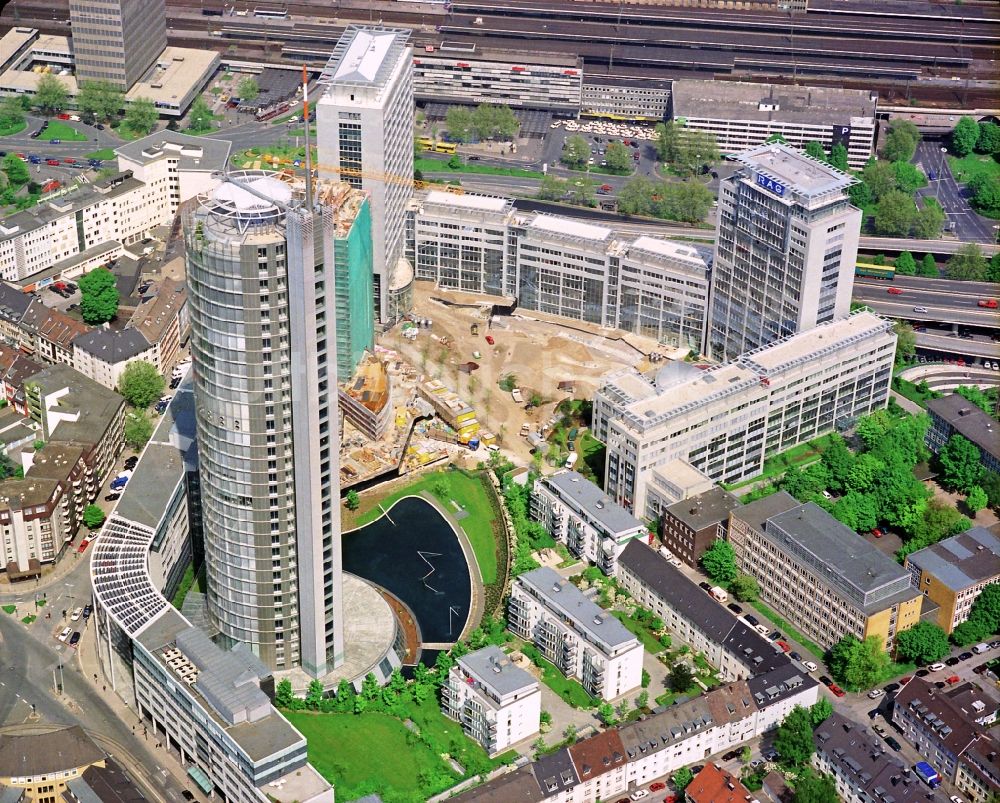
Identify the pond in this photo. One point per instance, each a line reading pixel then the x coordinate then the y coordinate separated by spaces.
pixel 414 553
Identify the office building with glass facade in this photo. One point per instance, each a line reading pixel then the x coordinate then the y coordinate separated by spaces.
pixel 785 250
pixel 117 40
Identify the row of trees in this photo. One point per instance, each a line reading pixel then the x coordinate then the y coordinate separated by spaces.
pixel 486 121
pixel 969 264
pixel 98 100
pixel 575 190
pixel 686 151
pixel 141 385
pixel 686 201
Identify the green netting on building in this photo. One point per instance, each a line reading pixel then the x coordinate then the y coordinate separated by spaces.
pixel 355 308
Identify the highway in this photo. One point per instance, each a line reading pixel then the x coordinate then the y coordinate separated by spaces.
pixel 952 344
pixel 948 302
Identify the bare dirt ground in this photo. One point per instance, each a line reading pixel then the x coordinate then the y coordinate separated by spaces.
pixel 540 352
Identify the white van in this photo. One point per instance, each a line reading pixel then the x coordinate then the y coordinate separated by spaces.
pixel 979 649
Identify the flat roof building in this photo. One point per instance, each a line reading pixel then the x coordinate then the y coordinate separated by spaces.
pixel 689 527
pixel 823 577
pixel 953 572
pixel 742 115
pixel 956 415
pixel 786 245
pixel 117 40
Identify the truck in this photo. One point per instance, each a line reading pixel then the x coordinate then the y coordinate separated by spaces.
pixel 571 460
pixel 718 593
pixel 927 774
pixel 515 394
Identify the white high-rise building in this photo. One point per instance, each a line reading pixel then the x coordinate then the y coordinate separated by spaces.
pixel 365 137
pixel 785 251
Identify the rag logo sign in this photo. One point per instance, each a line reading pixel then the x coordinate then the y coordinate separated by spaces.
pixel 771 185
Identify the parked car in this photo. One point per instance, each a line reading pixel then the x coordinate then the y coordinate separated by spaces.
pixel 74 638
pixel 921 673
pixel 877 533
pixel 76 614
pixel 785 647
pixel 87 610
pixel 119 483
pixel 893 743
pixel 776 635
pixel 752 620
pixel 936 667
pixel 891 688
pixel 811 666
pixel 735 608
pixel 65 633
pixel 639 794
pixel 794 656
pixel 112 497
pixel 953 661
pixel 836 690
pixel 874 694
pixel 132 462
pixel 732 754
pixel 53 162
pixel 965 656
pixel 659 786
pixel 705 586
pixel 490 340
pixel 771 755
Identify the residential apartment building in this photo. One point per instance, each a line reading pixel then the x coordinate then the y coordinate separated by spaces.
pixel 727 420
pixel 48 334
pixel 560 266
pixel 861 768
pixel 742 115
pixel 705 625
pixel 579 514
pixel 786 245
pixel 689 527
pixel 955 415
pixel 498 704
pixel 163 321
pixel 953 572
pixel 715 785
pixel 38 767
pixel 941 725
pixel 455 74
pixel 103 354
pixel 209 704
pixel 15 368
pixel 117 40
pixel 823 577
pixel 365 137
pixel 652 747
pixel 155 175
pixel 583 640
pixel 625 98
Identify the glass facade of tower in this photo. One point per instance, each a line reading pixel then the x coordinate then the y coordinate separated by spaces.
pixel 237 285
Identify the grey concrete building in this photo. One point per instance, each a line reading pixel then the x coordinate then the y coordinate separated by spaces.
pixel 955 415
pixel 365 137
pixel 117 40
pixel 260 277
pixel 785 250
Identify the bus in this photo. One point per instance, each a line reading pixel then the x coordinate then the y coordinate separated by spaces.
pixel 445 147
pixel 870 271
pixel 425 143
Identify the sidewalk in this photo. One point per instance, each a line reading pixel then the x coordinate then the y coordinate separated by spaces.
pixel 51 575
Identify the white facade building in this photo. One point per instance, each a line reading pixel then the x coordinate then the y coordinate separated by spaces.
pixel 497 703
pixel 365 137
pixel 727 420
pixel 579 514
pixel 561 266
pixel 583 640
pixel 785 250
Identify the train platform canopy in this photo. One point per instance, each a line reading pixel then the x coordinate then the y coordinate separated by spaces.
pixel 172 83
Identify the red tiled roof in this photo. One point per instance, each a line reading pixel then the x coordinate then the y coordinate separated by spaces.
pixel 714 785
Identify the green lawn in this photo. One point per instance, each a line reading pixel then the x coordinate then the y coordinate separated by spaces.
pixel 10 130
pixel 968 167
pixel 440 730
pixel 9 608
pixel 29 619
pixel 596 168
pixel 649 642
pixel 425 165
pixel 909 390
pixel 568 689
pixel 788 630
pixel 470 495
pixel 373 749
pixel 189 582
pixel 104 154
pixel 800 455
pixel 592 452
pixel 59 130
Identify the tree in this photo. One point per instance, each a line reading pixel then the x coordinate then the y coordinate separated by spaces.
pixel 815 150
pixel 458 121
pixel 794 739
pixel 860 194
pixel 744 588
pixel 858 664
pixel 976 499
pixel 968 264
pixel 490 121
pixel 906 341
pixel 680 678
pixel 51 94
pixel 606 713
pixel 985 193
pixel 965 136
pixel 929 221
pixel 666 140
pixel 895 214
pixel 859 511
pixel 959 464
pixel 976 396
pixel 141 116
pixel 642 699
pixel 200 118
pixel 811 787
pixel 908 178
pixel 100 99
pixel 552 188
pixel 719 562
pixel 11 113
pixel 619 158
pixel 928 267
pixel 635 197
pixel 990 483
pixel 16 170
pixel 695 151
pixel 987 606
pixel 989 138
pixel 352 500
pixel 576 151
pixel 314 694
pixel 98 296
pixel 972 631
pixel 283 694
pixel 682 779
pixel 838 459
pixel 581 190
pixel 906 265
pixel 93 517
pixel 686 201
pixel 924 643
pixel 248 88
pixel 838 157
pixel 993 269
pixel 870 428
pixel 820 711
pixel 901 141
pixel 879 177
pixel 138 429
pixel 140 383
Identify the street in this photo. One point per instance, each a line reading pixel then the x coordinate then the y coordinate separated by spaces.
pixel 954 200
